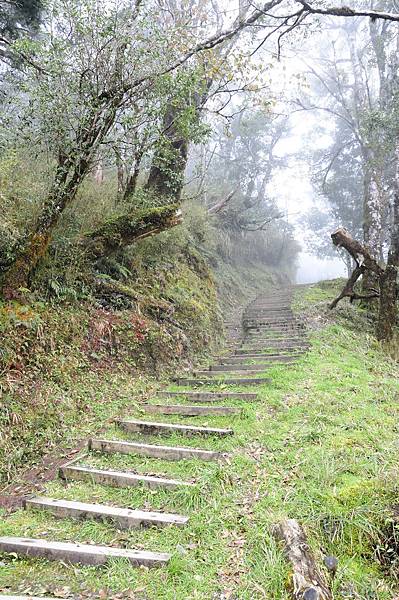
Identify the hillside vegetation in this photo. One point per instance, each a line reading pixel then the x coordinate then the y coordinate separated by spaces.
pixel 74 354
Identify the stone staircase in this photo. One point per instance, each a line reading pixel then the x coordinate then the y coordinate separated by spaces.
pixel 270 336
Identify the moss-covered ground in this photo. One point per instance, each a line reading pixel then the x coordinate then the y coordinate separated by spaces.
pixel 319 445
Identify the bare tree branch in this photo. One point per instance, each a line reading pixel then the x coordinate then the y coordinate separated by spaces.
pixel 345 11
pixel 216 208
pixel 261 226
pixel 22 55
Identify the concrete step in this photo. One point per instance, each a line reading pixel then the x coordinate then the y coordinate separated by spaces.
pixel 254 313
pixel 257 359
pixel 260 355
pixel 118 478
pixel 123 518
pixel 271 327
pixel 253 368
pixel 150 428
pixel 229 381
pixel 208 396
pixel 259 349
pixel 266 342
pixel 277 342
pixel 277 331
pixel 153 451
pixel 263 321
pixel 189 411
pixel 2 597
pixel 231 370
pixel 274 331
pixel 83 554
pixel 265 346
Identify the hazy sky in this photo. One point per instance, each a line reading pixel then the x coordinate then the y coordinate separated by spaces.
pixel 292 187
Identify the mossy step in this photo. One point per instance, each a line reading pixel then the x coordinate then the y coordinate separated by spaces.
pixel 123 518
pixel 208 396
pixel 189 411
pixel 153 451
pixel 122 479
pixel 151 428
pixel 83 554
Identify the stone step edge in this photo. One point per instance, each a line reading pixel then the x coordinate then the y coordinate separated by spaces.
pixel 190 411
pixel 136 425
pixel 125 517
pixel 84 554
pixel 153 451
pixel 118 478
pixel 207 396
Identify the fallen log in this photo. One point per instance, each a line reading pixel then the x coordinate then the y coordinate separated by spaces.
pixel 308 581
pixel 127 229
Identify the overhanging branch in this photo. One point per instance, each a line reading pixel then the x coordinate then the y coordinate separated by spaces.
pixel 346 11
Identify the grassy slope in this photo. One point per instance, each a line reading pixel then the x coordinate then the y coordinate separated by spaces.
pixel 320 446
pixel 67 368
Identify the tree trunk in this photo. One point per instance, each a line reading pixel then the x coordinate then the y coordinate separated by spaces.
pixel 166 175
pixel 372 225
pixel 133 171
pixel 120 174
pixel 388 313
pixel 99 173
pixel 26 256
pixel 131 182
pixel 71 171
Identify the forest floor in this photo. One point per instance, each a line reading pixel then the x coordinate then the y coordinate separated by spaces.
pixel 319 445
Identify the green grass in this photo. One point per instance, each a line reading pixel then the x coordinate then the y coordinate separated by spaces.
pixel 320 445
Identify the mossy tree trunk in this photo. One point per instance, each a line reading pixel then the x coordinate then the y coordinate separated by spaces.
pixel 71 169
pixel 169 162
pixel 129 228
